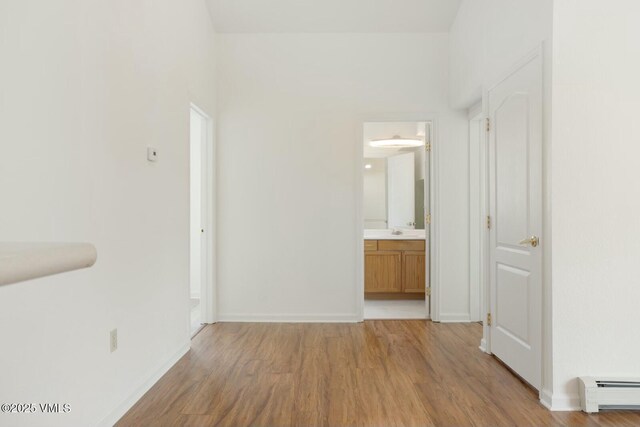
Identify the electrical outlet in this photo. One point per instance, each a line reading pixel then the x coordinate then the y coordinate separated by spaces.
pixel 152 154
pixel 113 340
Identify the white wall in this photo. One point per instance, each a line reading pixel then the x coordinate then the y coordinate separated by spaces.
pixel 487 39
pixel 291 109
pixel 84 88
pixel 596 196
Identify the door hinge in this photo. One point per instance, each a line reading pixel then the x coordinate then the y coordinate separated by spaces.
pixel 427 147
pixel 488 120
pixel 428 291
pixel 488 222
pixel 428 219
pixel 488 319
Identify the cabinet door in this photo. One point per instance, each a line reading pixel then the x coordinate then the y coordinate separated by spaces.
pixel 383 272
pixel 413 271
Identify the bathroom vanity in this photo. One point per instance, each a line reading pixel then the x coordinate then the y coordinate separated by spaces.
pixel 395 266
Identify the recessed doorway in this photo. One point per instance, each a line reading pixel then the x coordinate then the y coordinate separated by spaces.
pixel 201 224
pixel 396 218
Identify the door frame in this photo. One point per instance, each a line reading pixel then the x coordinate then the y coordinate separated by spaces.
pixel 431 261
pixel 478 206
pixel 208 294
pixel 485 345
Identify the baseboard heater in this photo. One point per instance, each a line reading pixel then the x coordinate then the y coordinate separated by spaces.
pixel 597 393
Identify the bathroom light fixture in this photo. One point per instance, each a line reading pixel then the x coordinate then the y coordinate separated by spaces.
pixel 368 166
pixel 396 142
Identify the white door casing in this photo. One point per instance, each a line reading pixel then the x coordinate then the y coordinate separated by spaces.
pixel 427 219
pixel 202 206
pixel 401 191
pixel 515 204
pixel 197 144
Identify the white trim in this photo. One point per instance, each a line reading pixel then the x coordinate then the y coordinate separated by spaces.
pixel 434 228
pixel 478 184
pixel 291 318
pixel 545 398
pixel 475 110
pixel 455 318
pixel 530 56
pixel 208 301
pixel 145 385
pixel 485 278
pixel 359 225
pixel 560 402
pixel 477 224
pixel 427 205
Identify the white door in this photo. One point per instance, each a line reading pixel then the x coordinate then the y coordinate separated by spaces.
pixel 515 199
pixel 401 191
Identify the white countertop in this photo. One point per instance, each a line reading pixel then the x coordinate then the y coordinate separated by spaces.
pixel 20 261
pixel 386 235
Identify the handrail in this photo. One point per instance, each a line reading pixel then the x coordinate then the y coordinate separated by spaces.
pixel 20 261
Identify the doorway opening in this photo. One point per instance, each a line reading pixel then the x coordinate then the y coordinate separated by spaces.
pixel 396 219
pixel 200 222
pixel 478 215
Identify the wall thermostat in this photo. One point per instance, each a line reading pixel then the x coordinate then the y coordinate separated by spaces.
pixel 152 154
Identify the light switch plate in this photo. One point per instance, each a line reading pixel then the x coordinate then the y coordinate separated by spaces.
pixel 152 154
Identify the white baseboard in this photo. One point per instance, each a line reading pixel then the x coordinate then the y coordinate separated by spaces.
pixel 560 402
pixel 144 386
pixel 290 318
pixel 455 318
pixel 545 399
pixel 483 345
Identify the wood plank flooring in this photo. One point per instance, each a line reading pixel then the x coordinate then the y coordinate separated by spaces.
pixel 376 373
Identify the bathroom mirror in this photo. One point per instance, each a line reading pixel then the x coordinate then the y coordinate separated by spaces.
pixel 395 173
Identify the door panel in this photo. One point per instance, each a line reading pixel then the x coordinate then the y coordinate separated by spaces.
pixel 413 271
pixel 512 295
pixel 512 182
pixel 382 272
pixel 515 184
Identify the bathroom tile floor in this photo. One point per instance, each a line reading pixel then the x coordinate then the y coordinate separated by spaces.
pixel 395 309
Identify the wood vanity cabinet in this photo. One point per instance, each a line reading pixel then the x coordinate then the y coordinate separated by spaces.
pixel 413 271
pixel 394 267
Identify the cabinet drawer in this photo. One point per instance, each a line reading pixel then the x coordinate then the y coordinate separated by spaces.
pixel 370 245
pixel 401 245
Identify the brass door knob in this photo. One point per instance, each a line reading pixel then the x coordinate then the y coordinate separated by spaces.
pixel 533 241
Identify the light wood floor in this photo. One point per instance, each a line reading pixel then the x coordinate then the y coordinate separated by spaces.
pixel 376 373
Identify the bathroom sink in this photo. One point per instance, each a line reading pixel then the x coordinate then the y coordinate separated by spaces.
pixel 388 235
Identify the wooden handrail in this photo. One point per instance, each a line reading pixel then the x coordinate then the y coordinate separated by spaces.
pixel 20 261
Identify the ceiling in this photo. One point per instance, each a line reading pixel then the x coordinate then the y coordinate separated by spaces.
pixel 333 16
